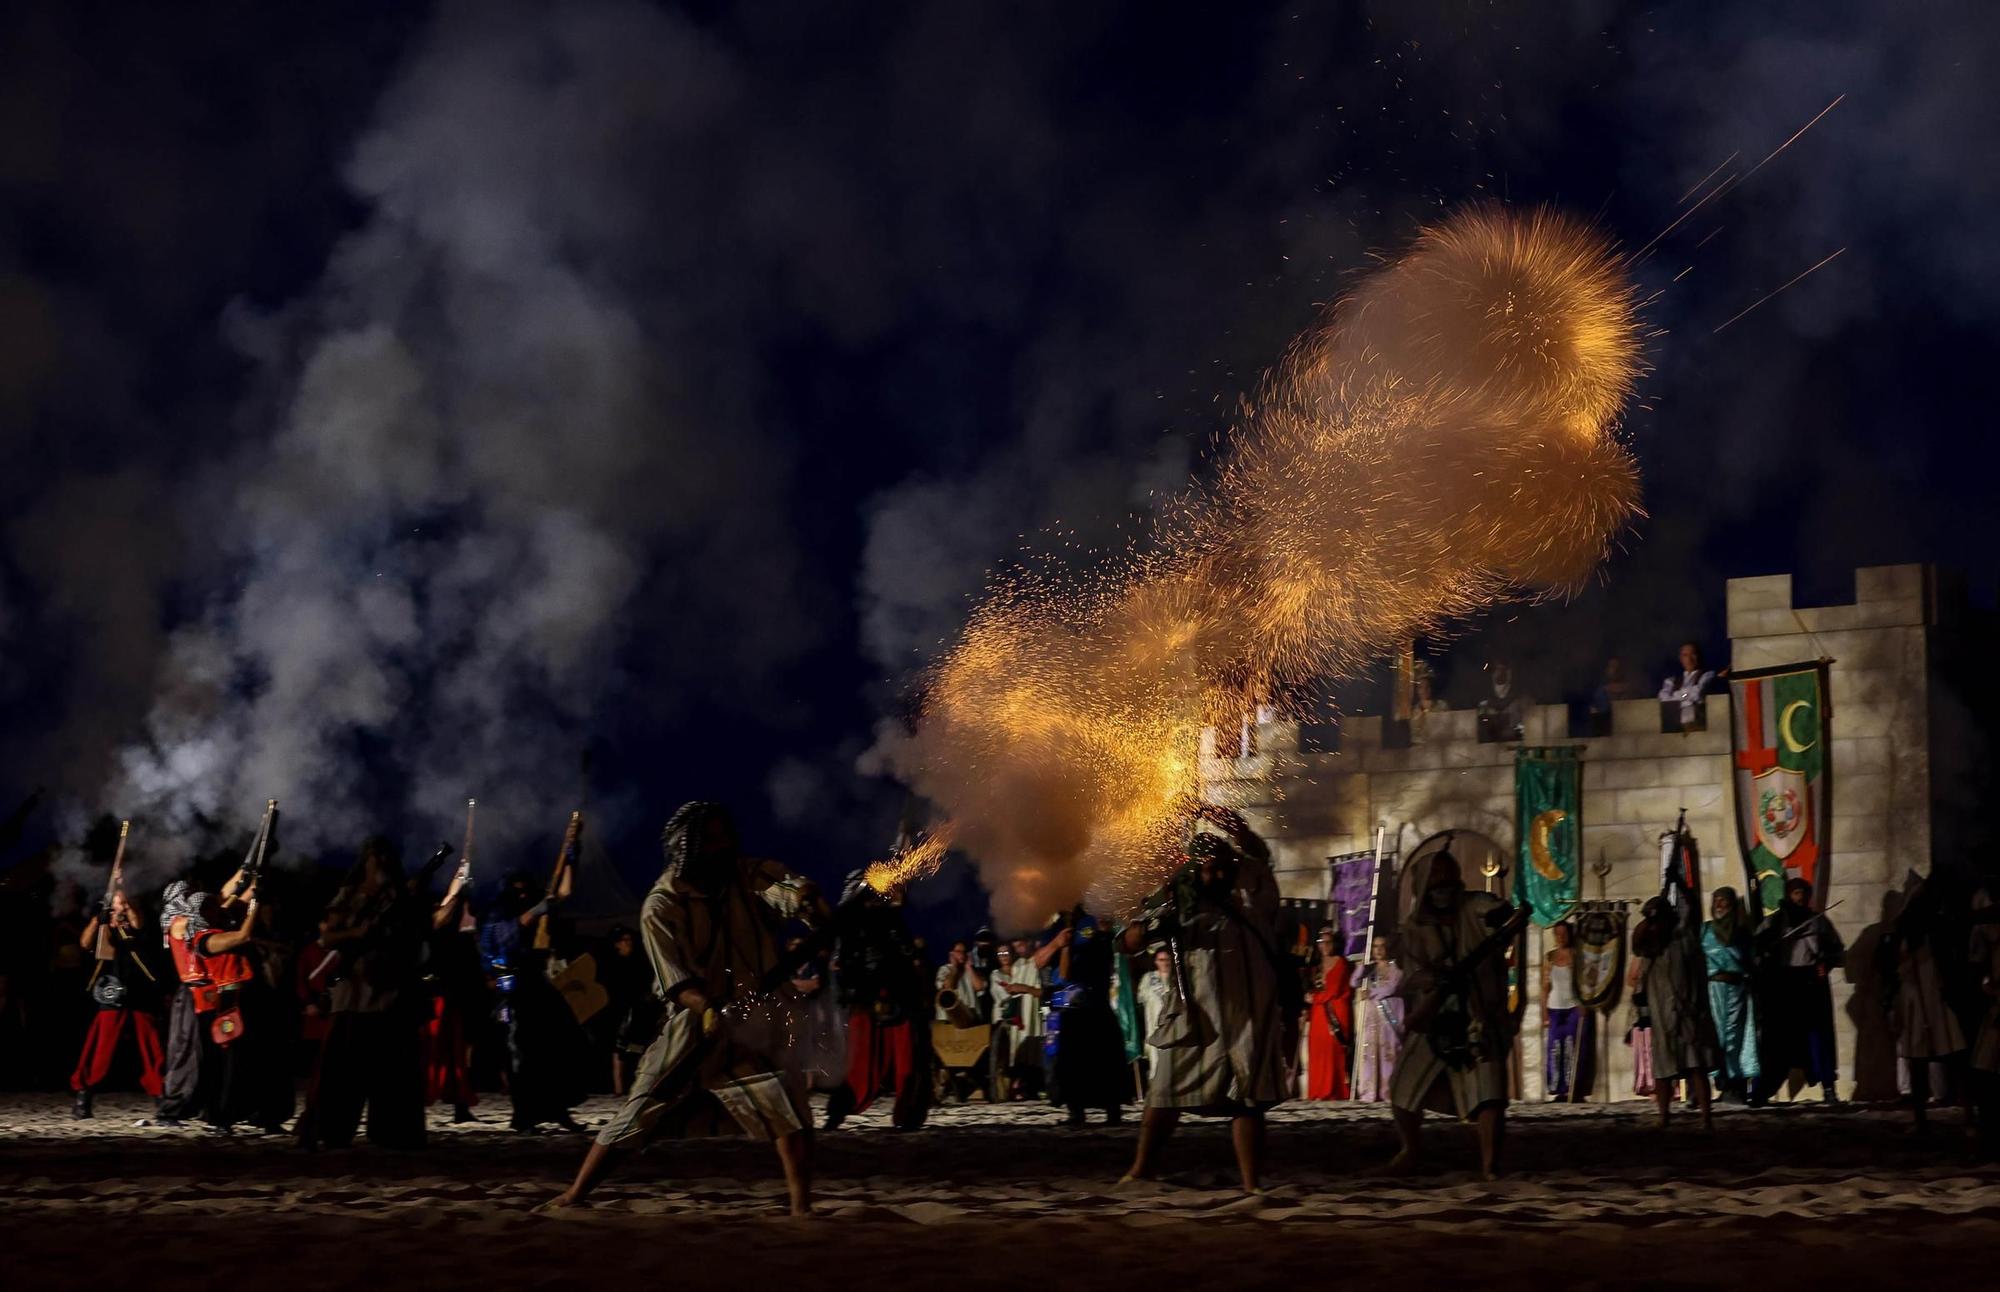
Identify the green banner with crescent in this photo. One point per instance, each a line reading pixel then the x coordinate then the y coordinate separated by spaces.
pixel 1548 822
pixel 1779 739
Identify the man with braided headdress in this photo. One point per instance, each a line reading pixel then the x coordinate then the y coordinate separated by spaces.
pixel 1232 1017
pixel 711 927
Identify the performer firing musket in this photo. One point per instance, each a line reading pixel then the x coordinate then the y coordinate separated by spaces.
pixel 710 926
pixel 563 881
pixel 222 1061
pixel 125 990
pixel 457 985
pixel 544 1080
pixel 112 890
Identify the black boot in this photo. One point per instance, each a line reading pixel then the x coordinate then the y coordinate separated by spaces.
pixel 81 1110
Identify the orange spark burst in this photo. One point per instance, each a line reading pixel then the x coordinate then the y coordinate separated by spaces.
pixel 1444 439
pixel 918 862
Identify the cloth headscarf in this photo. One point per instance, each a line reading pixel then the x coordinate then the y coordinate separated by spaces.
pixel 182 901
pixel 1728 931
pixel 681 840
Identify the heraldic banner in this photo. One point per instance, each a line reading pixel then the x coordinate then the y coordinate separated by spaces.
pixel 1354 879
pixel 1548 822
pixel 1783 779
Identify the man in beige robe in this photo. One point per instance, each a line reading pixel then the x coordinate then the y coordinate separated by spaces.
pixel 721 1063
pixel 1228 1025
pixel 1460 1032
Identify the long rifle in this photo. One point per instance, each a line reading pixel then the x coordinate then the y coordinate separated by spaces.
pixel 253 861
pixel 105 948
pixel 565 865
pixel 434 864
pixel 462 882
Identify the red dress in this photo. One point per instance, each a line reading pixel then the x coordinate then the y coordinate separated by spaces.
pixel 1326 1052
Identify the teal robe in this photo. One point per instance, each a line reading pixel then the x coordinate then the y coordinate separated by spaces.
pixel 1731 1004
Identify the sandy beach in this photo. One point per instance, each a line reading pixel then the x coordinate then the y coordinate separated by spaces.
pixel 994 1197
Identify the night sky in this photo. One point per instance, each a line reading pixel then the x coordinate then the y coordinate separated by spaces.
pixel 398 402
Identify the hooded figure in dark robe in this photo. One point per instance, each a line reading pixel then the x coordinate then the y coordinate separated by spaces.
pixel 1797 951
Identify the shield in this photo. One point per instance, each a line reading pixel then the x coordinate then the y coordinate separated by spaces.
pixel 1782 811
pixel 1600 958
pixel 581 991
pixel 960 1047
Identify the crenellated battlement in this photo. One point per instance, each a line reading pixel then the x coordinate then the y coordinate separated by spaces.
pixel 1636 777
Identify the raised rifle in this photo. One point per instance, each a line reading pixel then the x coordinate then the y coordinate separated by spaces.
pixel 105 948
pixel 565 867
pixel 462 881
pixel 260 850
pixel 433 865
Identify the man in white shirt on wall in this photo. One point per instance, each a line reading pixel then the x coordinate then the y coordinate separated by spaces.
pixel 1687 687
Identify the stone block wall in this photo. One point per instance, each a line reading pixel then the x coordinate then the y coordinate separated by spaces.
pixel 1636 780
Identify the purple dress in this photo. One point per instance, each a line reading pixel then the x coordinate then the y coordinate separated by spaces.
pixel 1378 1026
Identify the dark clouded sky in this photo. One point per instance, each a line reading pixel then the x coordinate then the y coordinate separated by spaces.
pixel 397 401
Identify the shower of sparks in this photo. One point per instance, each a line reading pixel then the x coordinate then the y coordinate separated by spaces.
pixel 1775 291
pixel 917 862
pixel 1444 439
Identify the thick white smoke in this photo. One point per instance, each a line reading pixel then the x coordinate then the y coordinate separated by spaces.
pixel 481 453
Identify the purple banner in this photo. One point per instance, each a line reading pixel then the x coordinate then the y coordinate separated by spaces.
pixel 1353 893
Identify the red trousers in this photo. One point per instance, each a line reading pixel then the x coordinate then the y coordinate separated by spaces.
pixel 100 1048
pixel 878 1055
pixel 447 1067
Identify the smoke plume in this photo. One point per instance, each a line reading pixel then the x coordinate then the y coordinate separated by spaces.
pixel 484 457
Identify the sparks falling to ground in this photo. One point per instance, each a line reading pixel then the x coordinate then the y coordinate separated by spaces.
pixel 1443 440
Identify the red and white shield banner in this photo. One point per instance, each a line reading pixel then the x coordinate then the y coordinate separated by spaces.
pixel 1783 810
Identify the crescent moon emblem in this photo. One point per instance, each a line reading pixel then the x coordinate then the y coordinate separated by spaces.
pixel 1785 727
pixel 1538 843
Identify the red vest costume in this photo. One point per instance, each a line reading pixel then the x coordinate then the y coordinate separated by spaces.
pixel 207 976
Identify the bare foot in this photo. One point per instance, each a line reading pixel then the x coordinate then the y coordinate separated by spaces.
pixel 560 1203
pixel 1404 1163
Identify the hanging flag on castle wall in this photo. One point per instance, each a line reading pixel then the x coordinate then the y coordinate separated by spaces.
pixel 1548 826
pixel 1354 885
pixel 1782 772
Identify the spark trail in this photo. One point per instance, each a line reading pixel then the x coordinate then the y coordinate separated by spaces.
pixel 1784 287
